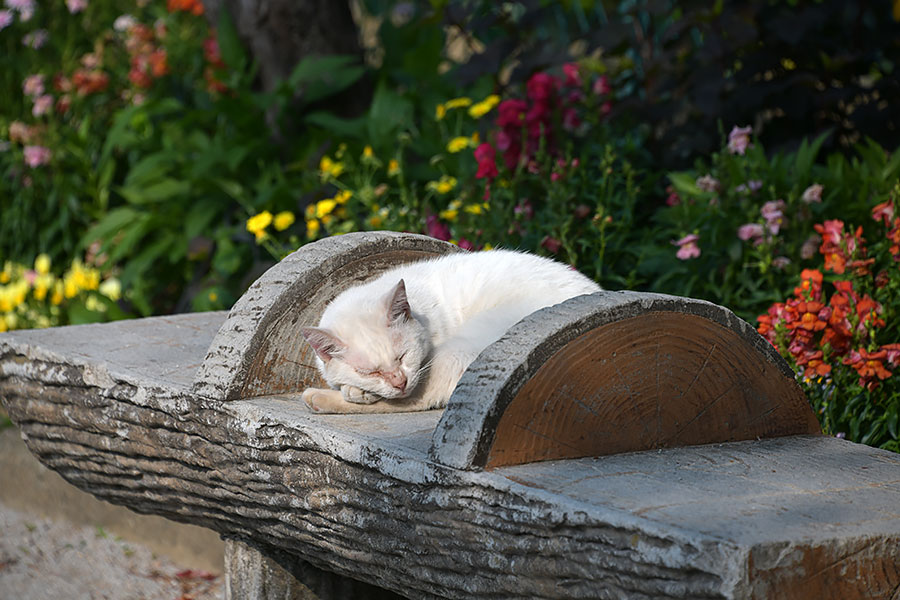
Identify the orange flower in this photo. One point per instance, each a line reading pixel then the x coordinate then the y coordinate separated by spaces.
pixel 192 6
pixel 158 63
pixel 813 364
pixel 868 365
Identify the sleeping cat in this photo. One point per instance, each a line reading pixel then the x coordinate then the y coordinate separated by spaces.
pixel 402 341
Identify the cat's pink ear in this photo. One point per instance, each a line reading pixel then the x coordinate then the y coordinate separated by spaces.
pixel 398 306
pixel 323 342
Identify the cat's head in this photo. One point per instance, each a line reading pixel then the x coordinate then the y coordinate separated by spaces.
pixel 380 349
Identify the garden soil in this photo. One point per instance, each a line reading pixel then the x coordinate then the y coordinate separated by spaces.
pixel 57 542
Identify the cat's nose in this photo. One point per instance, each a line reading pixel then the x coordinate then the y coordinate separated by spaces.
pixel 397 380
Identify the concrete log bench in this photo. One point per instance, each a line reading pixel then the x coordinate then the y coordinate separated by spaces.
pixel 618 445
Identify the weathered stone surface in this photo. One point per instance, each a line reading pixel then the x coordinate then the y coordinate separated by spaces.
pixel 359 495
pixel 259 350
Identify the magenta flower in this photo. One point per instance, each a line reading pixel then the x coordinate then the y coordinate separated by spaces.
pixel 573 77
pixel 486 157
pixel 35 156
pixel 750 231
pixel 33 85
pixel 6 19
pixel 687 247
pixel 436 229
pixel 541 87
pixel 76 6
pixel 812 194
pixel 42 105
pixel 739 139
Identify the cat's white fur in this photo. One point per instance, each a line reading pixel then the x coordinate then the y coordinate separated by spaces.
pixel 402 341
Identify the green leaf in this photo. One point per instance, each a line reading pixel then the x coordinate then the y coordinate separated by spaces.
pixel 323 76
pixel 149 168
pixel 110 224
pixel 352 128
pixel 685 183
pixel 230 45
pixel 389 113
pixel 164 189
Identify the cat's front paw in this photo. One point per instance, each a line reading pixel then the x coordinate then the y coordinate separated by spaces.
pixel 357 396
pixel 324 400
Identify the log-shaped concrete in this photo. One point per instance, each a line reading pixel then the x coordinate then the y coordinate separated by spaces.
pixel 259 350
pixel 619 372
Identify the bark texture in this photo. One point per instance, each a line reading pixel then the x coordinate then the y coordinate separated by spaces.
pixel 278 33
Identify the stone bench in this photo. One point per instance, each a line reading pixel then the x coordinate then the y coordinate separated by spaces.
pixel 616 445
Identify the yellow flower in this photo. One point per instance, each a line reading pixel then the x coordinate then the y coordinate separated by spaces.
pixel 94 305
pixel 42 264
pixel 482 108
pixel 310 211
pixel 330 168
pixel 11 320
pixel 368 153
pixel 439 111
pixel 449 214
pixel 324 207
pixel 442 185
pixel 473 209
pixel 312 228
pixel 111 288
pixel 212 296
pixel 393 167
pixel 6 273
pixel 70 287
pixel 42 283
pixel 257 224
pixel 57 297
pixel 475 139
pixel 375 221
pixel 283 220
pixel 342 196
pixel 487 247
pixel 457 144
pixel 458 103
pixel 5 299
pixel 2 325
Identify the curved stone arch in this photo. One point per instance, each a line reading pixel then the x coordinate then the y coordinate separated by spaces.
pixel 259 350
pixel 616 372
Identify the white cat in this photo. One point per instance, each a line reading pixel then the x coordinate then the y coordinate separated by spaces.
pixel 402 341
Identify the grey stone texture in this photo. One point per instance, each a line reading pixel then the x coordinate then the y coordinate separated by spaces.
pixel 133 413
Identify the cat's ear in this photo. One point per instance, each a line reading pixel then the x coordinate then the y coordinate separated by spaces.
pixel 325 343
pixel 398 305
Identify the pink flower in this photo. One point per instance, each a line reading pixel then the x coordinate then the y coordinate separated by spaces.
pixel 42 105
pixel 773 213
pixel 36 156
pixel 573 77
pixel 687 247
pixel 76 6
pixel 739 139
pixel 750 231
pixel 33 85
pixel 601 86
pixel 524 208
pixel 781 262
pixel 810 247
pixel 6 19
pixel 884 211
pixel 551 244
pixel 36 39
pixel 812 194
pixel 571 120
pixel 708 183
pixel 486 157
pixel 465 244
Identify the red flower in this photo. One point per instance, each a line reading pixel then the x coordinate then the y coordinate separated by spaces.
pixel 573 77
pixel 487 161
pixel 511 113
pixel 551 244
pixel 868 365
